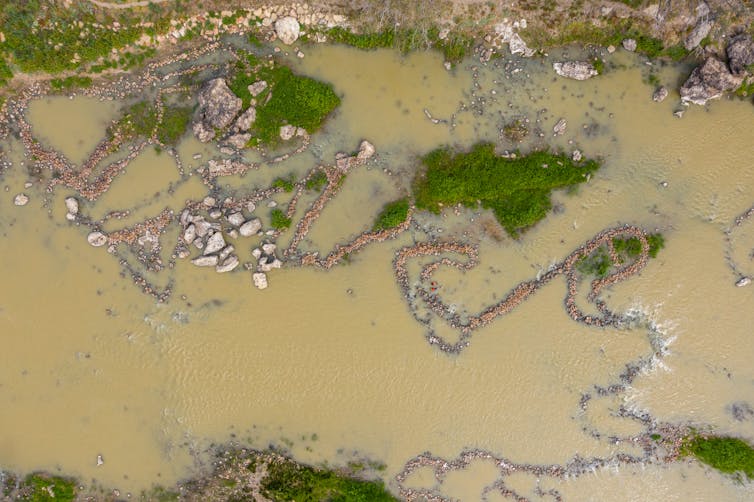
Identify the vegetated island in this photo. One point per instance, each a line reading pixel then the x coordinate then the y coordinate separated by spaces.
pixel 729 455
pixel 516 188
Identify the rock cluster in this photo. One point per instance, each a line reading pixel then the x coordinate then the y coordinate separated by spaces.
pixel 577 70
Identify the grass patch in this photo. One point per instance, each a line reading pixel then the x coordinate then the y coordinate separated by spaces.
pixel 293 99
pixel 286 481
pixel 516 190
pixel 746 88
pixel 175 121
pixel 598 65
pixel 364 41
pixel 317 181
pixel 726 454
pixel 393 214
pixel 46 488
pixel 279 220
pixel 5 72
pixel 72 82
pixel 598 263
pixel 138 119
pixel 287 184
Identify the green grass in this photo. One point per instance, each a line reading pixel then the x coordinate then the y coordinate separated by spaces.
pixel 175 121
pixel 5 72
pixel 138 120
pixel 72 82
pixel 295 99
pixel 286 481
pixel 598 263
pixel 365 41
pixel 393 214
pixel 287 184
pixel 516 190
pixel 40 485
pixel 317 181
pixel 726 454
pixel 746 88
pixel 279 220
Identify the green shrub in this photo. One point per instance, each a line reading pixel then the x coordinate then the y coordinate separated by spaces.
pixel 393 214
pixel 72 82
pixel 726 454
pixel 47 488
pixel 286 481
pixel 517 190
pixel 287 184
pixel 138 120
pixel 279 220
pixel 317 181
pixel 175 121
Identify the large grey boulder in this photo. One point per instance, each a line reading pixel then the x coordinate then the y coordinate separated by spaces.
pixel 740 54
pixel 287 29
pixel 218 106
pixel 577 70
pixel 708 81
pixel 700 31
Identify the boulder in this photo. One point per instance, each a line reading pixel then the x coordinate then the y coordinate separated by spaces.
pixel 96 239
pixel 218 106
pixel 72 205
pixel 268 262
pixel 201 226
pixel 236 219
pixel 250 228
pixel 577 70
pixel 205 261
pixel 708 81
pixel 269 248
pixel 189 234
pixel 238 141
pixel 227 250
pixel 629 44
pixel 214 244
pixel 21 199
pixel 287 29
pixel 257 87
pixel 366 150
pixel 260 280
pixel 229 264
pixel 700 31
pixel 660 94
pixel 740 54
pixel 244 121
pixel 287 132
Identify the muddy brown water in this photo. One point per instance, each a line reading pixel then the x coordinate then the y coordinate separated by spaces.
pixel 331 364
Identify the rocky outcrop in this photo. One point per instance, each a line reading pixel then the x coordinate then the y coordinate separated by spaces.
pixel 505 34
pixel 708 81
pixel 287 29
pixel 218 106
pixel 700 31
pixel 577 70
pixel 740 54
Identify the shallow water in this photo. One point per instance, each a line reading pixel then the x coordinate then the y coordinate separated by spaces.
pixel 91 366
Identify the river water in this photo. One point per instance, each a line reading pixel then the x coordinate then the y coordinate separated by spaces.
pixel 331 364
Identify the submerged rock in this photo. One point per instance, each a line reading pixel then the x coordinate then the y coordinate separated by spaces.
pixel 740 54
pixel 743 281
pixel 218 106
pixel 577 70
pixel 96 239
pixel 205 261
pixel 21 199
pixel 287 29
pixel 660 94
pixel 708 81
pixel 259 279
pixel 560 127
